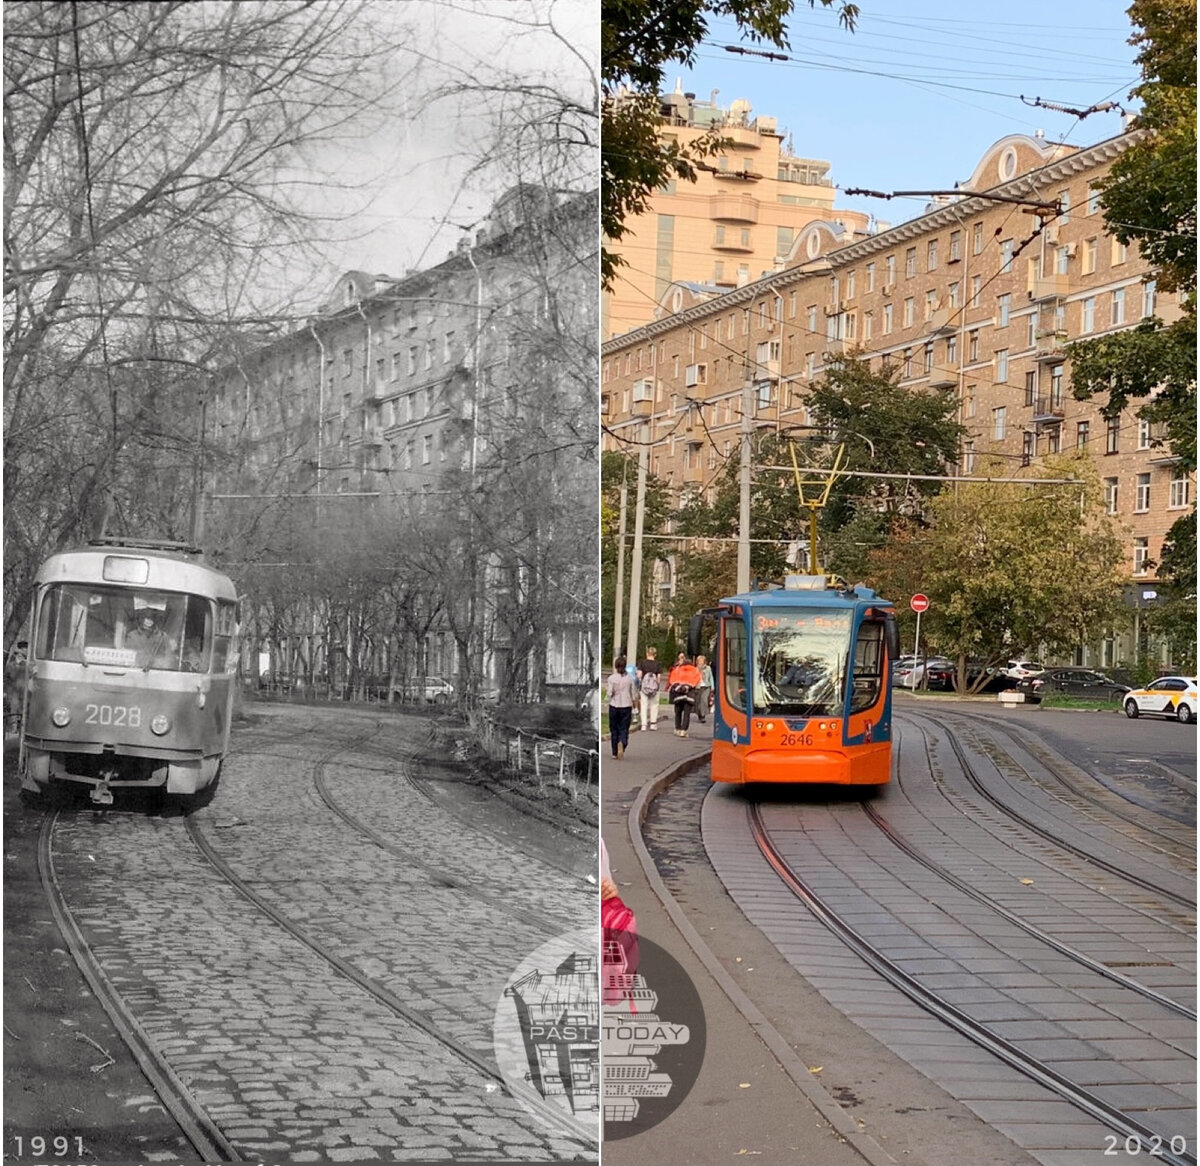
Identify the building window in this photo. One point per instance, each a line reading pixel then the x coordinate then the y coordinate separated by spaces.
pixel 908 312
pixel 1056 386
pixel 427 449
pixel 1006 255
pixel 1093 202
pixel 1031 330
pixel 718 270
pixel 929 358
pixel 910 262
pixel 908 365
pixel 1001 366
pixel 429 354
pixel 972 346
pixel 1062 260
pixel 1031 387
pixel 889 267
pixel 977 239
pixel 868 325
pixel 1064 202
pixel 952 295
pixel 955 246
pixel 870 277
pixel 887 319
pixel 1120 252
pixel 850 281
pixel 812 318
pixel 1088 321
pixel 932 255
pixel 1143 433
pixel 1141 494
pixel 1141 556
pixel 1028 447
pixel 968 457
pixel 1089 256
pixel 969 402
pixel 1149 296
pixel 1054 439
pixel 999 417
pixel 1083 430
pixel 1178 497
pixel 1110 495
pixel 1004 307
pixel 952 349
pixel 976 288
pixel 931 301
pixel 347 358
pixel 1112 435
pixel 1118 306
pixel 396 365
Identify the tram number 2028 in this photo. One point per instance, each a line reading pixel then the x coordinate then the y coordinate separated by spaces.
pixel 117 715
pixel 795 739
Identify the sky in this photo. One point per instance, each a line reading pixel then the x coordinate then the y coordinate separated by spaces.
pixel 913 98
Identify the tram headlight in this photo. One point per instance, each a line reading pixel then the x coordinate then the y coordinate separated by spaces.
pixel 61 717
pixel 160 725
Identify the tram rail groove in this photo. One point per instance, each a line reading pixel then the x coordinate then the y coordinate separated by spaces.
pixel 193 1121
pixel 548 1112
pixel 1149 1141
pixel 1079 957
pixel 1055 767
pixel 977 783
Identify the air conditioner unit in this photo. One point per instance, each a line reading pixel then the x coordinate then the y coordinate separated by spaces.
pixel 1071 249
pixel 888 288
pixel 1050 234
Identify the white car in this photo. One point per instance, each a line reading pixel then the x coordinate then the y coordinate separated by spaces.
pixel 1021 669
pixel 1168 696
pixel 434 690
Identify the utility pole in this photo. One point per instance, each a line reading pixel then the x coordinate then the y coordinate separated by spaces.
pixel 743 551
pixel 619 609
pixel 635 569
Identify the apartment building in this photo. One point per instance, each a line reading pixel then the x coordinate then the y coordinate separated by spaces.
pixel 407 391
pixel 738 219
pixel 968 298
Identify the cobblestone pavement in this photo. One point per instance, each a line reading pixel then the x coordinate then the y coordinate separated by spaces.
pixel 284 1053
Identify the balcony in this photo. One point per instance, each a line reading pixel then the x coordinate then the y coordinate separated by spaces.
pixel 1048 410
pixel 943 376
pixel 734 208
pixel 766 370
pixel 734 245
pixel 693 474
pixel 940 323
pixel 1050 347
pixel 1048 287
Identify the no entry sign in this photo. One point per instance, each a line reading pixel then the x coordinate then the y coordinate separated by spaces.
pixel 919 603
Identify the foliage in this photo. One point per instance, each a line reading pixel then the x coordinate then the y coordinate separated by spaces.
pixel 638 39
pixel 1150 199
pixel 1009 567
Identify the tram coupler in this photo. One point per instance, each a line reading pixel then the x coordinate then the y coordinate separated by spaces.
pixel 101 795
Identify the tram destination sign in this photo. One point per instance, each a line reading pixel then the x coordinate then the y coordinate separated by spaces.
pixel 919 603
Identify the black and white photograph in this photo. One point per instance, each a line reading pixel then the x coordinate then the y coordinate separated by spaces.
pixel 301 570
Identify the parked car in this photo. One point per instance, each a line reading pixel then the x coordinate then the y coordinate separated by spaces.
pixel 910 675
pixel 1168 696
pixel 433 690
pixel 1080 682
pixel 996 679
pixel 1020 669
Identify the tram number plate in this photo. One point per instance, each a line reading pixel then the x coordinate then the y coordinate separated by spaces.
pixel 117 715
pixel 796 739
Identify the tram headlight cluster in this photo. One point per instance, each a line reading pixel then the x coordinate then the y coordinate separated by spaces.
pixel 61 716
pixel 160 725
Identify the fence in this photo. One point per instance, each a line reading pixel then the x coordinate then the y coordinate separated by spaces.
pixel 551 761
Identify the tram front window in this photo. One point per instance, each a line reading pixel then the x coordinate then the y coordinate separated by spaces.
pixel 120 627
pixel 799 662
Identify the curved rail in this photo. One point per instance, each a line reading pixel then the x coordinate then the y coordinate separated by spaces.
pixel 1113 868
pixel 189 1115
pixel 1065 949
pixel 545 1110
pixel 1126 1126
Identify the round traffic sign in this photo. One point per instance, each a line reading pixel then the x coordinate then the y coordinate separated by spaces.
pixel 919 602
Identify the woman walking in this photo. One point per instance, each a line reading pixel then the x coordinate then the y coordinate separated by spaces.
pixel 619 689
pixel 682 683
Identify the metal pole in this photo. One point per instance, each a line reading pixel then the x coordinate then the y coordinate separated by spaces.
pixel 619 610
pixel 743 553
pixel 635 569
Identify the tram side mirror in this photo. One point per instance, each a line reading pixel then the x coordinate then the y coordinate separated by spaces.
pixel 695 635
pixel 891 636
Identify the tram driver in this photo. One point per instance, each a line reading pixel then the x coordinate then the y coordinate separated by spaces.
pixel 150 640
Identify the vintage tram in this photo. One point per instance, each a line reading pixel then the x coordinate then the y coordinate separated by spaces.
pixel 802 683
pixel 131 670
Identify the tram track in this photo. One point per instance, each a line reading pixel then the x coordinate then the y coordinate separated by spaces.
pixel 1089 856
pixel 1125 1125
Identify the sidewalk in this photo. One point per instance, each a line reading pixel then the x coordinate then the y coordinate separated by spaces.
pixel 742 1103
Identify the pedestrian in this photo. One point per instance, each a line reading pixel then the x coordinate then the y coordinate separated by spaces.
pixel 704 690
pixel 619 690
pixel 650 677
pixel 619 942
pixel 682 683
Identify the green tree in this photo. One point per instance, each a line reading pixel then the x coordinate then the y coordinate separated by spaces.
pixel 1009 567
pixel 638 39
pixel 1149 199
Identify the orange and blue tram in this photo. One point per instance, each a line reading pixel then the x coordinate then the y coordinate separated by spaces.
pixel 802 683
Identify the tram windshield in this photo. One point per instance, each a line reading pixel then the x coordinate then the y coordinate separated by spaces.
pixel 126 627
pixel 799 661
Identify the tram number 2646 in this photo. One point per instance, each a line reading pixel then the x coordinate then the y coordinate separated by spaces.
pixel 796 739
pixel 117 715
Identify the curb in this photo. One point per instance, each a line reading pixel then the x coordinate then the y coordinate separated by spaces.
pixel 866 1146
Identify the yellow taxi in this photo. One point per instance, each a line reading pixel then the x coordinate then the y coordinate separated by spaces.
pixel 1168 696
